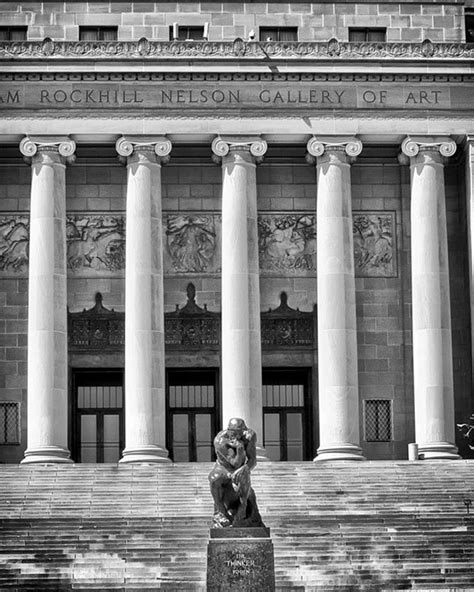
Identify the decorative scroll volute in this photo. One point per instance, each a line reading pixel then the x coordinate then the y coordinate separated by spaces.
pixel 412 146
pixel 318 146
pixel 32 147
pixel 223 146
pixel 159 147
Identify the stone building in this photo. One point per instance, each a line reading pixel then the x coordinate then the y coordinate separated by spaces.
pixel 235 209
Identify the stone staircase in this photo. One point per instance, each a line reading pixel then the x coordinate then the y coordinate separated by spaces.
pixel 368 526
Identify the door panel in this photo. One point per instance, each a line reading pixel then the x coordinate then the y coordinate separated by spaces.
pixel 97 415
pixel 287 414
pixel 192 413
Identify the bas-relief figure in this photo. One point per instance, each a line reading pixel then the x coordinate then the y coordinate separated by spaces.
pixel 287 243
pixel 95 243
pixel 235 504
pixel 374 250
pixel 192 243
pixel 14 243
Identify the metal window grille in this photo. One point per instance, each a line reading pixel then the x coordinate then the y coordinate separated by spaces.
pixel 368 34
pixel 278 33
pixel 9 423
pixel 378 420
pixel 98 33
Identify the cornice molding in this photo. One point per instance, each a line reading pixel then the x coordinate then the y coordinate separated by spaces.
pixel 232 77
pixel 143 49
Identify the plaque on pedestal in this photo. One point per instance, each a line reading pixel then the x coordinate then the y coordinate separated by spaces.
pixel 240 560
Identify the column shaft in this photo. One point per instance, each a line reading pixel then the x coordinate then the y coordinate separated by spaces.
pixel 241 340
pixel 47 303
pixel 470 236
pixel 337 335
pixel 145 408
pixel 432 348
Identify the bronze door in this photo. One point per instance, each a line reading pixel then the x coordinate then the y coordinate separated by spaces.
pixel 98 416
pixel 287 414
pixel 192 403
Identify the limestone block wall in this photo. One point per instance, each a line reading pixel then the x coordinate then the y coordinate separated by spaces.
pixel 383 302
pixel 316 21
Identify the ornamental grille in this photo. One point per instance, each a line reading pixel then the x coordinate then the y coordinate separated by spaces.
pixel 378 420
pixel 9 423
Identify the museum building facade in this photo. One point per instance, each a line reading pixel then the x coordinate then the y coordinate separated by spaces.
pixel 213 210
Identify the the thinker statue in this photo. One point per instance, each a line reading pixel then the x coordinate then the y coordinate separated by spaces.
pixel 467 430
pixel 235 503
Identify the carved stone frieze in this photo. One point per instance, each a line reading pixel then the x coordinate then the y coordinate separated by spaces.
pixel 192 243
pixel 14 243
pixel 95 244
pixel 374 244
pixel 287 244
pixel 143 49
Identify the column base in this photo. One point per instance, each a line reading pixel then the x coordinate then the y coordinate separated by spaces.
pixel 339 452
pixel 47 454
pixel 438 450
pixel 262 455
pixel 145 454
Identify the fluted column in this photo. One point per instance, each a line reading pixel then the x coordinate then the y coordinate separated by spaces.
pixel 47 300
pixel 145 403
pixel 337 336
pixel 241 341
pixel 432 348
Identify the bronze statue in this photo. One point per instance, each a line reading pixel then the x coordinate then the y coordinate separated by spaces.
pixel 467 431
pixel 235 503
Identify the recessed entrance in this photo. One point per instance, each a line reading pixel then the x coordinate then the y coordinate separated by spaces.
pixel 97 416
pixel 287 414
pixel 192 403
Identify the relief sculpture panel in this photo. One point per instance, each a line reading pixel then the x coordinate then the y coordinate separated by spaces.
pixel 287 244
pixel 374 244
pixel 14 243
pixel 192 243
pixel 95 244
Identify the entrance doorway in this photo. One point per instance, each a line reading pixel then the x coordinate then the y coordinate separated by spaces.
pixel 287 414
pixel 192 403
pixel 98 432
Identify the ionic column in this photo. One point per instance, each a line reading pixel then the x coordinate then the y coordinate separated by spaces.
pixel 47 300
pixel 469 149
pixel 145 406
pixel 432 348
pixel 241 342
pixel 337 337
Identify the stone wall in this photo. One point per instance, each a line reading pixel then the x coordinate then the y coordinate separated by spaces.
pixel 380 192
pixel 406 21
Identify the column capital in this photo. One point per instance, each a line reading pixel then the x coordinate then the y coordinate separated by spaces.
pixel 317 146
pixel 413 145
pixel 253 145
pixel 33 146
pixel 159 147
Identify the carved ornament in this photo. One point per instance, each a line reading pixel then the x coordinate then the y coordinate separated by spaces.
pixel 316 147
pixel 222 146
pixel 285 326
pixel 126 146
pixel 144 49
pixel 411 146
pixel 30 146
pixel 96 329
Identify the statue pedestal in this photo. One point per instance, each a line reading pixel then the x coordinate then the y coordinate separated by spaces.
pixel 240 560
